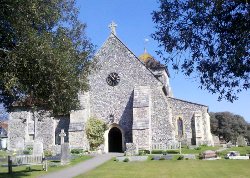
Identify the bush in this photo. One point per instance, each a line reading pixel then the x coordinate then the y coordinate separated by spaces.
pixel 27 152
pixel 200 156
pixel 28 169
pixel 180 157
pixel 157 151
pixel 143 152
pixel 47 153
pixel 150 157
pixel 172 151
pixel 126 160
pixel 76 151
pixel 197 148
pixel 95 129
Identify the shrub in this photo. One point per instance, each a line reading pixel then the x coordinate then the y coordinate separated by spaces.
pixel 150 157
pixel 200 156
pixel 204 145
pixel 197 148
pixel 27 152
pixel 47 153
pixel 95 129
pixel 180 157
pixel 172 151
pixel 76 151
pixel 157 151
pixel 28 169
pixel 143 152
pixel 126 160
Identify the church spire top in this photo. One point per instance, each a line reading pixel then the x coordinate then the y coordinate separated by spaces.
pixel 112 27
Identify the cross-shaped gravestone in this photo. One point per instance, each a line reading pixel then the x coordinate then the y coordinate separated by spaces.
pixel 62 135
pixel 112 27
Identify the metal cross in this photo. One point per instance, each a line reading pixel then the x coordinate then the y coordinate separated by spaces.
pixel 62 135
pixel 112 27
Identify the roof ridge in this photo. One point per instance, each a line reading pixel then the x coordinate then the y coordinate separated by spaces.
pixel 187 101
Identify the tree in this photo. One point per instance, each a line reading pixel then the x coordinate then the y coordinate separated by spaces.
pixel 228 125
pixel 95 129
pixel 44 54
pixel 209 40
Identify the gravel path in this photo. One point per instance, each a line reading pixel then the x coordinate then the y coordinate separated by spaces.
pixel 82 167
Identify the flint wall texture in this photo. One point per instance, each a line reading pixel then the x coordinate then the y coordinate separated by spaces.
pixel 118 100
pixel 186 111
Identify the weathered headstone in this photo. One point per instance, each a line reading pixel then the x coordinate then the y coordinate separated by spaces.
pixel 65 153
pixel 229 144
pixel 216 140
pixel 189 156
pixel 62 135
pixel 131 149
pixel 38 148
pixel 209 154
pixel 241 141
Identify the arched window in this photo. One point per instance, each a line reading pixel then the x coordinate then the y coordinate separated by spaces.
pixel 180 127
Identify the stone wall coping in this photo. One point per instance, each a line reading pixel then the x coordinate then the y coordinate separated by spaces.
pixel 171 98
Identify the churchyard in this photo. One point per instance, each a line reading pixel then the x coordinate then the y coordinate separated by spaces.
pixel 170 165
pixel 54 164
pixel 158 164
pixel 172 168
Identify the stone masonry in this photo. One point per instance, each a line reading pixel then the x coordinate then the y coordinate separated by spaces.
pixel 141 105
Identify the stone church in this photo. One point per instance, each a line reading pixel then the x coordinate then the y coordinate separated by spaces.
pixel 132 95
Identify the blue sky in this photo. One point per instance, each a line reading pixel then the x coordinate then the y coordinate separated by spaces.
pixel 134 21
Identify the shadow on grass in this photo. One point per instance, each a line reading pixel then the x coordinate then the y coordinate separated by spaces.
pixel 18 174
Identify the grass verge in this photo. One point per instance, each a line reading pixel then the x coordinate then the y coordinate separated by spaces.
pixel 173 168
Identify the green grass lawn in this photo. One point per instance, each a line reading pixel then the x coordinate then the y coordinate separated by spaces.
pixel 242 150
pixel 173 169
pixel 36 170
pixel 197 151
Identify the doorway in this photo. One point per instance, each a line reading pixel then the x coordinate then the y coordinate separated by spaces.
pixel 115 140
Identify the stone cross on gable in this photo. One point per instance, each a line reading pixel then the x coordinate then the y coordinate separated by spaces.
pixel 112 27
pixel 62 135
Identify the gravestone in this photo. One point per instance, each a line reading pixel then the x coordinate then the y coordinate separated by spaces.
pixel 189 156
pixel 229 144
pixel 38 148
pixel 62 135
pixel 241 141
pixel 131 149
pixel 65 153
pixel 209 154
pixel 216 140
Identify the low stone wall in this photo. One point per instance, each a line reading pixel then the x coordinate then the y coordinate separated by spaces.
pixel 239 157
pixel 132 158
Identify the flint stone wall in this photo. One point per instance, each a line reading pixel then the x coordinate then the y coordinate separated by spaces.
pixel 16 128
pixel 21 124
pixel 187 110
pixel 118 100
